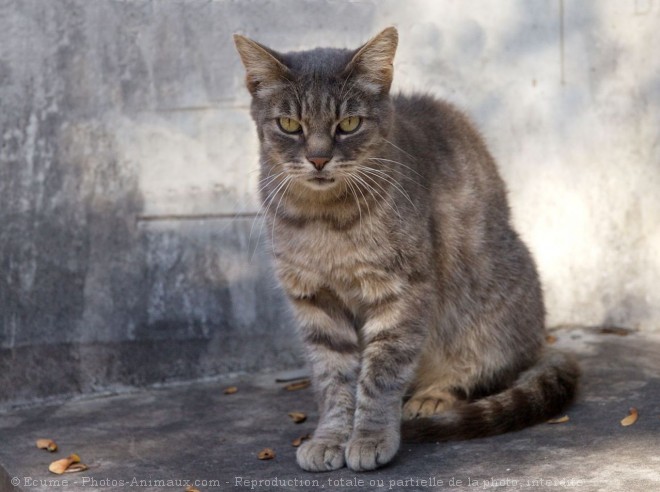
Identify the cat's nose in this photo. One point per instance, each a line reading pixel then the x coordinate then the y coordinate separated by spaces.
pixel 319 162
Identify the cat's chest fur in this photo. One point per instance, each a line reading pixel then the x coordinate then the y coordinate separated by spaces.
pixel 356 264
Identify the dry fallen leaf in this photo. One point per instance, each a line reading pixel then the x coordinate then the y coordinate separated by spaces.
pixel 299 440
pixel 231 390
pixel 266 454
pixel 76 467
pixel 614 330
pixel 48 444
pixel 297 417
pixel 288 379
pixel 551 339
pixel 559 420
pixel 60 466
pixel 631 418
pixel 298 385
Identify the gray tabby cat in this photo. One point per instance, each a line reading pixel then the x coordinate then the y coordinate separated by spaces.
pixel 414 296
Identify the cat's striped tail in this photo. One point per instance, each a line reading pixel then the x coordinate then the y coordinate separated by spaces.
pixel 538 394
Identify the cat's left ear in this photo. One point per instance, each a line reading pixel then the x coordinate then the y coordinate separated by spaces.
pixel 373 63
pixel 262 66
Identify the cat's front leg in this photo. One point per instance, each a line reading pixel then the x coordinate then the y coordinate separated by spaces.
pixel 332 346
pixel 394 335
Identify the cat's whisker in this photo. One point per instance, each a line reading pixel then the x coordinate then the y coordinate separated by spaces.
pixel 273 196
pixel 395 162
pixel 272 167
pixel 261 186
pixel 400 149
pixel 272 233
pixel 240 207
pixel 341 92
pixel 254 221
pixel 366 202
pixel 350 91
pixel 339 192
pixel 294 90
pixel 401 174
pixel 369 190
pixel 265 203
pixel 384 199
pixel 357 200
pixel 268 176
pixel 392 182
pixel 263 183
pixel 357 181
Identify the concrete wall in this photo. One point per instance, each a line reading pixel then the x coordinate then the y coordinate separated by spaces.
pixel 127 152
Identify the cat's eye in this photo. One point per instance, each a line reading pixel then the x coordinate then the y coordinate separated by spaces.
pixel 289 125
pixel 350 124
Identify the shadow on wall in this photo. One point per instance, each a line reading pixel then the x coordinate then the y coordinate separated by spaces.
pixel 92 297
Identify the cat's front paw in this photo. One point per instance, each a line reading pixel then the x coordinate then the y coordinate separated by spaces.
pixel 321 454
pixel 368 453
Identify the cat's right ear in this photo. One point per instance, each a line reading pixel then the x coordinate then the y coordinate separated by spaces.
pixel 262 67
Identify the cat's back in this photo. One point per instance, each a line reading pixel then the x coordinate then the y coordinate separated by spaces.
pixel 445 147
pixel 423 108
pixel 427 124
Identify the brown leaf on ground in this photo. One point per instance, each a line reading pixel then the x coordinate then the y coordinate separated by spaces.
pixel 231 390
pixel 631 418
pixel 48 444
pixel 76 467
pixel 551 339
pixel 614 330
pixel 299 440
pixel 559 420
pixel 298 385
pixel 266 454
pixel 297 417
pixel 60 466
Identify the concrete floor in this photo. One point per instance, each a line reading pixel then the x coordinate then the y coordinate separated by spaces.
pixel 195 432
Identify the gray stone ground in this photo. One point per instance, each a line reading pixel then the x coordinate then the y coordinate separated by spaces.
pixel 195 432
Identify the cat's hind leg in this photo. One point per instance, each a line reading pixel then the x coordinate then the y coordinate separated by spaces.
pixel 434 389
pixel 429 401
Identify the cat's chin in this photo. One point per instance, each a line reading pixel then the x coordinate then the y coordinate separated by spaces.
pixel 321 183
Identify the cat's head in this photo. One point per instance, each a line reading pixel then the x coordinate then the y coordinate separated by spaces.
pixel 320 113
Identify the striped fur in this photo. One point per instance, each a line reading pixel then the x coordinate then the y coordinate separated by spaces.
pixel 414 296
pixel 538 394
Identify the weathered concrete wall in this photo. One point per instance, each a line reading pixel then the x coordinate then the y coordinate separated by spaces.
pixel 126 150
pixel 120 134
